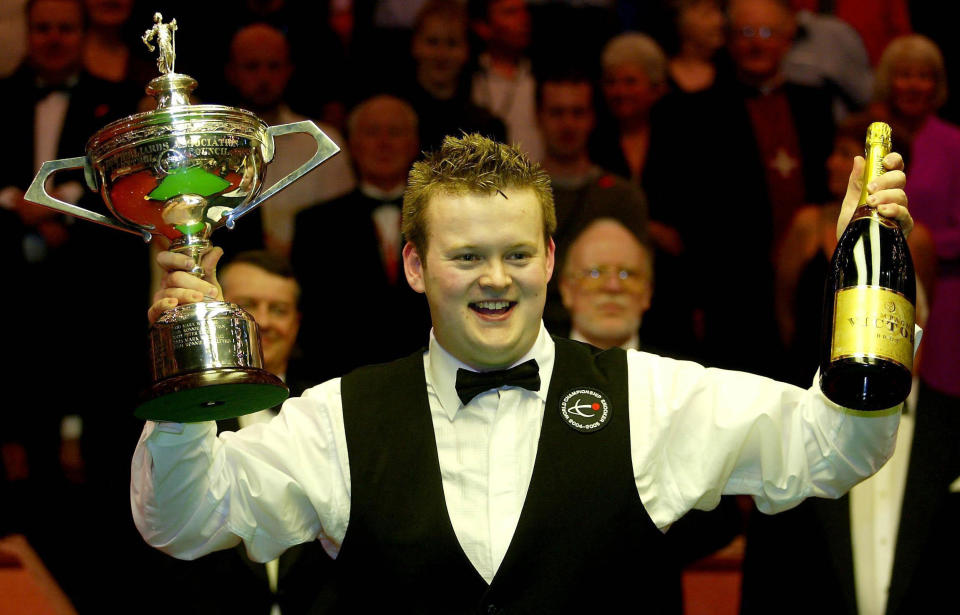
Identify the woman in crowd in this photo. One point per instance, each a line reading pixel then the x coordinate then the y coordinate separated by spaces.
pixel 911 85
pixel 634 78
pixel 439 88
pixel 699 34
pixel 107 51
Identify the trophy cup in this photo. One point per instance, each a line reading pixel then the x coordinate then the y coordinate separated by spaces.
pixel 183 171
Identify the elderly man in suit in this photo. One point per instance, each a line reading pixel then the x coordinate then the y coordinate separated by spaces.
pixel 385 318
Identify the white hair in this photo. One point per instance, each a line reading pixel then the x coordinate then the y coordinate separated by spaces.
pixel 638 49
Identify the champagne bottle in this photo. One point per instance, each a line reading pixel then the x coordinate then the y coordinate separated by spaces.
pixel 866 356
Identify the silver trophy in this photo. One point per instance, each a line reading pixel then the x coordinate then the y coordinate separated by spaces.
pixel 184 171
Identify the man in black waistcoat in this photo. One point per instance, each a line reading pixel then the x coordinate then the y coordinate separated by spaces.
pixel 500 470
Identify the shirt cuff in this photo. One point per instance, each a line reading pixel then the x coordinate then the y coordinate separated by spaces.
pixel 169 434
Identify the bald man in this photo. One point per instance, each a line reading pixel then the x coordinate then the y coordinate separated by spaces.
pixel 358 307
pixel 259 71
pixel 606 285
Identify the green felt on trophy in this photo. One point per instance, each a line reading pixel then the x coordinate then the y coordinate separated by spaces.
pixel 190 180
pixel 189 229
pixel 212 401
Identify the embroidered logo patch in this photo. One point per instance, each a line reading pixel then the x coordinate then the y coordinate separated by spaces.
pixel 585 409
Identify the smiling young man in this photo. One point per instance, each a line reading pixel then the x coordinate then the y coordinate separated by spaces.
pixel 480 249
pixel 501 470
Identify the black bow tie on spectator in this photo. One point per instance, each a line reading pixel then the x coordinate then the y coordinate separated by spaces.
pixel 42 91
pixel 470 384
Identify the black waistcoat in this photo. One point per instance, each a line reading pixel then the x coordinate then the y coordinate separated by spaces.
pixel 584 542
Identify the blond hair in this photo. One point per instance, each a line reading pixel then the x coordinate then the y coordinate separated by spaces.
pixel 911 47
pixel 471 164
pixel 638 49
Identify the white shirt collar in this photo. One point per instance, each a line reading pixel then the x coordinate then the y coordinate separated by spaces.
pixel 442 370
pixel 631 344
pixel 382 195
pixel 523 67
pixel 67 84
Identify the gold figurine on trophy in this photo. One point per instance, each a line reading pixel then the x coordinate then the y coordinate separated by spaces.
pixel 164 33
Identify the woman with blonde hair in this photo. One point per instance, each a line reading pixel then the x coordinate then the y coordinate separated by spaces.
pixel 634 78
pixel 911 85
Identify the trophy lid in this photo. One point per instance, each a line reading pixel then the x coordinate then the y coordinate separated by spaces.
pixel 174 114
pixel 171 90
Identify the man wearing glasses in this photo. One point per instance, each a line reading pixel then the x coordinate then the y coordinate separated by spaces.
pixel 606 285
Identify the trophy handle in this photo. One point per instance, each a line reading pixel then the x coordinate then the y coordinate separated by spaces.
pixel 37 193
pixel 325 149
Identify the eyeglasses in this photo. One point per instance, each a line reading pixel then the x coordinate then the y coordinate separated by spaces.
pixel 595 278
pixel 763 32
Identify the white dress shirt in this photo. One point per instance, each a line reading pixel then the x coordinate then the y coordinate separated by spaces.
pixel 696 434
pixel 330 180
pixel 273 566
pixel 49 116
pixel 875 507
pixel 513 100
pixel 50 113
pixel 633 343
pixel 386 221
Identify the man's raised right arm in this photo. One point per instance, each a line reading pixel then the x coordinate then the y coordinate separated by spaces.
pixel 271 485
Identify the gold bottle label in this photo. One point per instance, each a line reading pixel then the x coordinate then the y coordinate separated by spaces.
pixel 872 322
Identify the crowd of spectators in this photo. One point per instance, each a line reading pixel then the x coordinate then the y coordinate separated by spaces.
pixel 660 117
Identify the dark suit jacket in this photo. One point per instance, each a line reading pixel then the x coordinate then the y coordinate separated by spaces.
pixel 92 350
pixel 450 117
pixel 352 315
pixel 705 177
pixel 83 337
pixel 93 104
pixel 227 582
pixel 801 561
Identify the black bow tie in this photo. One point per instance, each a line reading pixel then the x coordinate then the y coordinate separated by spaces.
pixel 42 92
pixel 470 384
